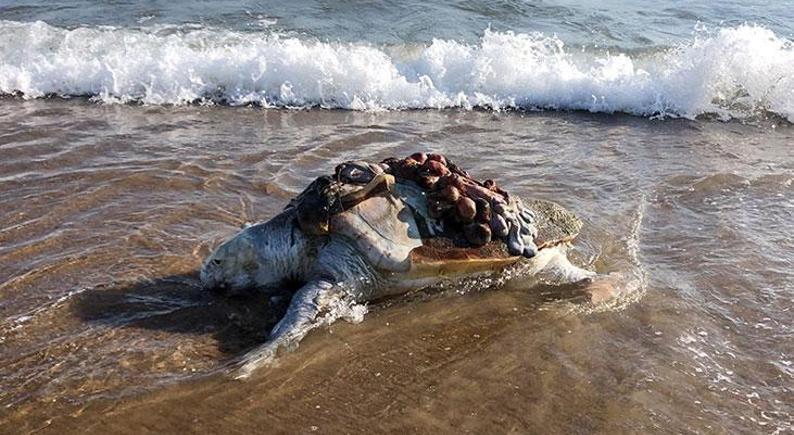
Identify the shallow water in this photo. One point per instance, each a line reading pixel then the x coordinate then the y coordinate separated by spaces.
pixel 107 210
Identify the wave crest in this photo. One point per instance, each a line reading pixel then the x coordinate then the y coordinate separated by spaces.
pixel 731 73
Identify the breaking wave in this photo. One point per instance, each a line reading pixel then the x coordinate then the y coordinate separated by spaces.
pixel 735 72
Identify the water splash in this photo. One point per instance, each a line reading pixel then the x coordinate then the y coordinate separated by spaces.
pixel 733 72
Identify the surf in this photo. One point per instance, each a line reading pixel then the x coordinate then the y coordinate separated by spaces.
pixel 728 73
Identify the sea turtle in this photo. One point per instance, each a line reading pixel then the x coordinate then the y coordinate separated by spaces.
pixel 363 242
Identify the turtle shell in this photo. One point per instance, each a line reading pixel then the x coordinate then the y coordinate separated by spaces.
pixel 394 231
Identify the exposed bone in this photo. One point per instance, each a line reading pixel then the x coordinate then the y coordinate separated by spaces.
pixel 383 180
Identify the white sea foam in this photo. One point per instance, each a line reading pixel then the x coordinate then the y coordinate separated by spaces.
pixel 731 72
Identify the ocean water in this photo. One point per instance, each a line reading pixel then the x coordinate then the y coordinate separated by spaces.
pixel 686 60
pixel 135 136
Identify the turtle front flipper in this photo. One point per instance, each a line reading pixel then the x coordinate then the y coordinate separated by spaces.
pixel 301 317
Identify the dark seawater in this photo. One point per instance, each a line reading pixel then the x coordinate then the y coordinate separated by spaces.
pixel 628 24
pixel 135 136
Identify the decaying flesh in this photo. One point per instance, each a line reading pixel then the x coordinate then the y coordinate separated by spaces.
pixel 482 211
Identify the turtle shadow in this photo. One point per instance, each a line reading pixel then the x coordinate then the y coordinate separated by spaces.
pixel 178 304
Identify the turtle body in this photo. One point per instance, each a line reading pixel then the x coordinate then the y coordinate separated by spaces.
pixel 375 234
pixel 396 233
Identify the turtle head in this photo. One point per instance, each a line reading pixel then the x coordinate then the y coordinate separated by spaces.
pixel 259 256
pixel 232 267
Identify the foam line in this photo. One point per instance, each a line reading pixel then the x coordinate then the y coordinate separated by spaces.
pixel 733 72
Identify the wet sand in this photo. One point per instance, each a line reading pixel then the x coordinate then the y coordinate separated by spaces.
pixel 107 211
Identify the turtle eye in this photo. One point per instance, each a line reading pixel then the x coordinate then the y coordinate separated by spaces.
pixel 216 261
